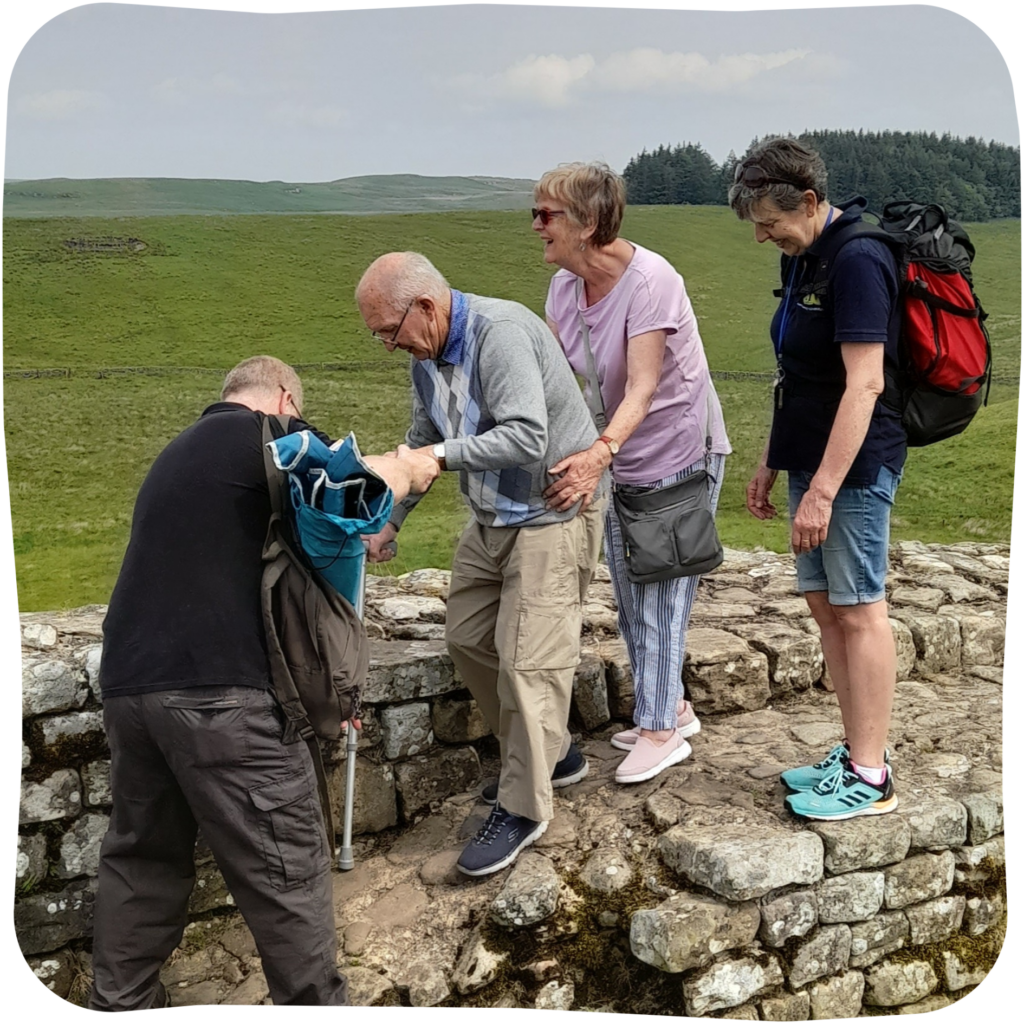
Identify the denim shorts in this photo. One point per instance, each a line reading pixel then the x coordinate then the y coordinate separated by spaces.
pixel 852 563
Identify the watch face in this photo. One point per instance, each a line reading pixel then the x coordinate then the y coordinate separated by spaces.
pixel 614 445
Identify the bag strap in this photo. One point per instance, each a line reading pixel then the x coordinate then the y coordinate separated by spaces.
pixel 919 290
pixel 594 399
pixel 275 477
pixel 323 791
pixel 597 409
pixel 707 427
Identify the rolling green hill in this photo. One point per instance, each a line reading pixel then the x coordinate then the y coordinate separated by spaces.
pixel 183 298
pixel 147 197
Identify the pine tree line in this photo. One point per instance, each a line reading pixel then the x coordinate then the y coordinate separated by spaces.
pixel 973 179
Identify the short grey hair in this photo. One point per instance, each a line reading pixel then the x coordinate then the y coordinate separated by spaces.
pixel 779 157
pixel 263 375
pixel 397 278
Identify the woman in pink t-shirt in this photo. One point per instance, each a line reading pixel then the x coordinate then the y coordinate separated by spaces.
pixel 660 404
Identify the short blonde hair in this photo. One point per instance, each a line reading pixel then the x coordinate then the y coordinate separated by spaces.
pixel 592 194
pixel 263 375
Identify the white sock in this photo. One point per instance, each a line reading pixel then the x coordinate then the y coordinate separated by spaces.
pixel 876 776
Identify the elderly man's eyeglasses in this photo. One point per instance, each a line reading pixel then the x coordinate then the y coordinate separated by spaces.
pixel 292 402
pixel 756 177
pixel 393 334
pixel 546 215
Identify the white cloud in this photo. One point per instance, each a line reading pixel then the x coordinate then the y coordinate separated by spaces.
pixel 313 116
pixel 57 104
pixel 547 80
pixel 556 80
pixel 646 69
pixel 180 89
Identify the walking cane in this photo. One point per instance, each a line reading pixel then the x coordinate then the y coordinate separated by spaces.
pixel 345 860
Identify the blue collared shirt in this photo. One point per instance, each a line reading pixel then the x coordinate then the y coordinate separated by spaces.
pixel 455 346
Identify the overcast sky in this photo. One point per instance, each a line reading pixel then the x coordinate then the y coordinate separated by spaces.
pixel 116 90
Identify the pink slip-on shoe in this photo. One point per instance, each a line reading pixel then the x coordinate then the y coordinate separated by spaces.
pixel 687 723
pixel 648 759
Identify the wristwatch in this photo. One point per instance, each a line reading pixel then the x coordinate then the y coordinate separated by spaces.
pixel 613 445
pixel 438 453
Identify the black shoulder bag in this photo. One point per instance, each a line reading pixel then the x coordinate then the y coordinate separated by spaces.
pixel 666 531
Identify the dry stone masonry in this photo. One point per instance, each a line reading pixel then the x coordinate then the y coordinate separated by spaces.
pixel 694 893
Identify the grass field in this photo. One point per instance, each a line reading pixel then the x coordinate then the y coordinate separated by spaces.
pixel 374 193
pixel 209 291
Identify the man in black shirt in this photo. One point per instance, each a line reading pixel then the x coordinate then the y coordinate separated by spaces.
pixel 194 729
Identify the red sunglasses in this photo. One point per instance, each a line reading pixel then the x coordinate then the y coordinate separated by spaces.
pixel 546 215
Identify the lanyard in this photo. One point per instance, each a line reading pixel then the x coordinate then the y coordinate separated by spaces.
pixel 787 302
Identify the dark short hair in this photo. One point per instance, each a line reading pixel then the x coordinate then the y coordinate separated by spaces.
pixel 800 167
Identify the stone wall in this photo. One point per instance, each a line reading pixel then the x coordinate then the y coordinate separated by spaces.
pixel 699 875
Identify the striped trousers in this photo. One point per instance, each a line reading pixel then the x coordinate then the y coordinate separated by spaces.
pixel 653 617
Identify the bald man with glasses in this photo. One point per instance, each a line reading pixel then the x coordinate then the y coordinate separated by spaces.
pixel 494 400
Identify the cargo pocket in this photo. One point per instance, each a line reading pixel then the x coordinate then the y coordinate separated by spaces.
pixel 290 830
pixel 547 635
pixel 216 727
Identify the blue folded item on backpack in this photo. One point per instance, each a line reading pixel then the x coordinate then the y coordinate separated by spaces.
pixel 336 498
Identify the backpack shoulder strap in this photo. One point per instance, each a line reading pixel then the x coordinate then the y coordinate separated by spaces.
pixel 784 264
pixel 836 239
pixel 827 250
pixel 274 426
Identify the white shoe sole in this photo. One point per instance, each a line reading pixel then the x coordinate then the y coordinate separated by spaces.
pixel 686 731
pixel 492 868
pixel 677 755
pixel 570 780
pixel 881 807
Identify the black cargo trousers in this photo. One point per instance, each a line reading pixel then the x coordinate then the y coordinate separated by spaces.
pixel 211 757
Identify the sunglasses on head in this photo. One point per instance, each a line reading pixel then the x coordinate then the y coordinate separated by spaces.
pixel 546 215
pixel 756 177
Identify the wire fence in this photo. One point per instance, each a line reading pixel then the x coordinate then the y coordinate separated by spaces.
pixel 101 372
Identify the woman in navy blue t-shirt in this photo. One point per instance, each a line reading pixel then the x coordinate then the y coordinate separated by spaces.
pixel 835 333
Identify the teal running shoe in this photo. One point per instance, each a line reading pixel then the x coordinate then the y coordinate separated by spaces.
pixel 807 777
pixel 803 779
pixel 844 794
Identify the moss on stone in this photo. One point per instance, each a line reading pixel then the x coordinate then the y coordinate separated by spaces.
pixel 606 974
pixel 992 885
pixel 598 960
pixel 976 952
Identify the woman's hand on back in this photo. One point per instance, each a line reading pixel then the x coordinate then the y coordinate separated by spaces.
pixel 578 475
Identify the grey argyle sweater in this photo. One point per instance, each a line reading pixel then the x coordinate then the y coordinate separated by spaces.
pixel 502 398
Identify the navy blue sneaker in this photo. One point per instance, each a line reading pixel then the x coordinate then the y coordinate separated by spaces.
pixel 498 842
pixel 573 767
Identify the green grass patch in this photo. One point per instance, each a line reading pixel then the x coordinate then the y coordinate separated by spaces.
pixel 374 193
pixel 209 291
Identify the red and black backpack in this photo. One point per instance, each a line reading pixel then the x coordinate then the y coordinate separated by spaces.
pixel 945 362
